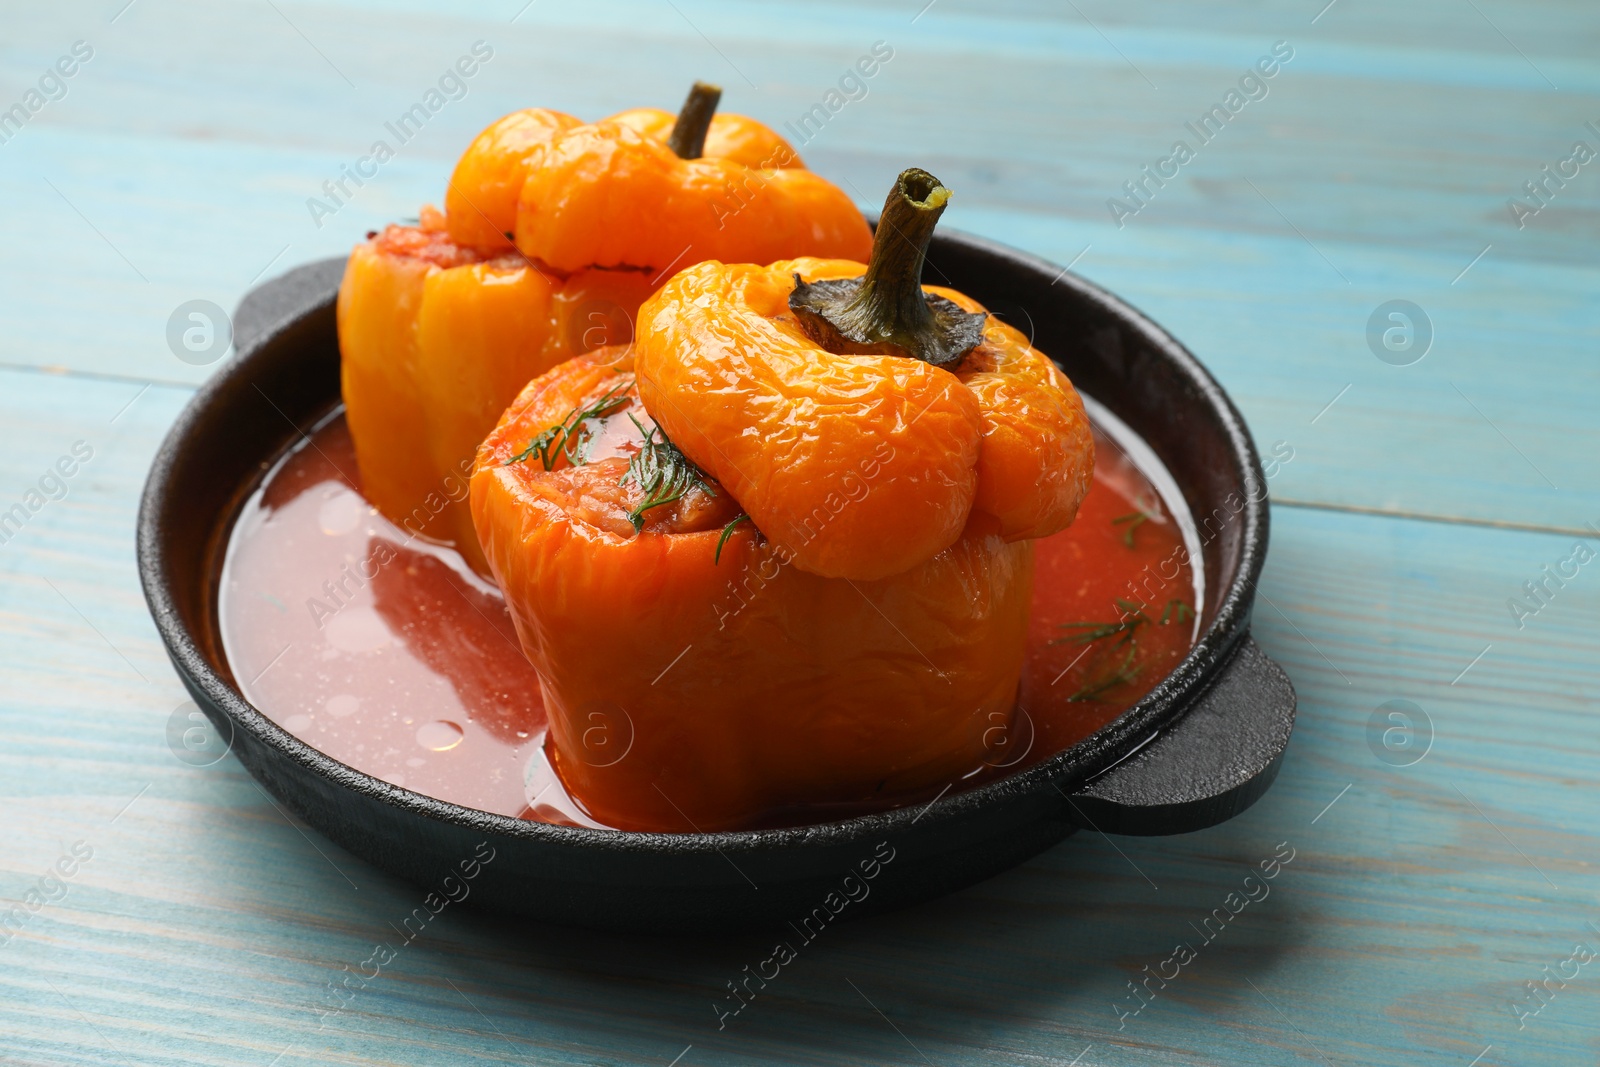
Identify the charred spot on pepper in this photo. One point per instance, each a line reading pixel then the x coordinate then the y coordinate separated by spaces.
pixel 885 311
pixel 688 138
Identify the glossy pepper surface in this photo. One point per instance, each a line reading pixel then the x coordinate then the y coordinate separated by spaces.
pixel 697 679
pixel 443 322
pixel 764 564
pixel 742 385
pixel 481 199
pixel 632 191
pixel 434 340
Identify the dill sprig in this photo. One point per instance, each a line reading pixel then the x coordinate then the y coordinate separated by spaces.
pixel 1123 673
pixel 1185 612
pixel 662 473
pixel 1090 632
pixel 1134 520
pixel 1124 631
pixel 1133 617
pixel 727 532
pixel 566 437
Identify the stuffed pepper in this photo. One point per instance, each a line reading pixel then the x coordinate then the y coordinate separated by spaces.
pixel 777 554
pixel 442 322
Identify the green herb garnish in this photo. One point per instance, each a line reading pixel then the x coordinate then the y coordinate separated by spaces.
pixel 1122 673
pixel 662 473
pixel 1185 612
pixel 1125 634
pixel 1134 519
pixel 1133 617
pixel 566 437
pixel 727 532
pixel 1090 632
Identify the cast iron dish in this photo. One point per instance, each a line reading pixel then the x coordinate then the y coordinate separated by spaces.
pixel 1199 748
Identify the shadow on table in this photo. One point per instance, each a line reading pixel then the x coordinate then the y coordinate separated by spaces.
pixel 1059 939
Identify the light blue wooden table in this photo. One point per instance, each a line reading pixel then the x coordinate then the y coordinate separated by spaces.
pixel 1423 897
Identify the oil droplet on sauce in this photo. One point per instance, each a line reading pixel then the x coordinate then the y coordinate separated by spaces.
pixel 439 736
pixel 384 631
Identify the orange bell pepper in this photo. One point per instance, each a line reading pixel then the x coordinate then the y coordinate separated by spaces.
pixel 737 138
pixel 481 199
pixel 996 430
pixel 434 340
pixel 441 324
pixel 702 671
pixel 695 680
pixel 616 194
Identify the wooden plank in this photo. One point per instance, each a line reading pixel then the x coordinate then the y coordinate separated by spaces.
pixel 1384 164
pixel 1421 899
pixel 206 926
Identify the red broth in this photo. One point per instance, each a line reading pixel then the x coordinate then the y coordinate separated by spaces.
pixel 390 655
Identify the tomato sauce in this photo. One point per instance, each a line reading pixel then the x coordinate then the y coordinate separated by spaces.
pixel 1124 563
pixel 390 655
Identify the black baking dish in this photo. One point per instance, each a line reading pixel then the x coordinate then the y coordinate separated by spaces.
pixel 1200 747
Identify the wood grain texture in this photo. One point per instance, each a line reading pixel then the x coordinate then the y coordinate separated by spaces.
pixel 206 925
pixel 1377 167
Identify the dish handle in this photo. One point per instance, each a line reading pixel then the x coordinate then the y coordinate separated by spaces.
pixel 1206 768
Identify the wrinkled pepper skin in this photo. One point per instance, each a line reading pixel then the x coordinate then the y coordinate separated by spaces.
pixel 609 195
pixel 435 340
pixel 1036 459
pixel 379 301
pixel 442 323
pixel 740 387
pixel 481 199
pixel 736 138
pixel 688 693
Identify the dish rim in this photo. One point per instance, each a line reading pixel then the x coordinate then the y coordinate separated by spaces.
pixel 1138 725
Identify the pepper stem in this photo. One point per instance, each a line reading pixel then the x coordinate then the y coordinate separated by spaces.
pixel 688 137
pixel 885 310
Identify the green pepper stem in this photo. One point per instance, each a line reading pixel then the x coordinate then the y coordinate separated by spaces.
pixel 891 297
pixel 688 137
pixel 885 310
